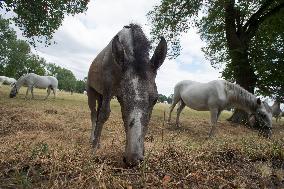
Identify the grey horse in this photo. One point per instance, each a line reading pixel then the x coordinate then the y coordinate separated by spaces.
pixel 123 69
pixel 217 95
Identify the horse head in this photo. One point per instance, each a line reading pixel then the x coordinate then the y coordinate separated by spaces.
pixel 137 93
pixel 263 118
pixel 14 91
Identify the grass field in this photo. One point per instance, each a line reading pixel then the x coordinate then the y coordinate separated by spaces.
pixel 45 144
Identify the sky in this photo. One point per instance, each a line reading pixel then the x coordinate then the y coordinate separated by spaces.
pixel 83 36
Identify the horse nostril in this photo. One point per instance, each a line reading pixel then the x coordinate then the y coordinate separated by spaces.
pixel 124 159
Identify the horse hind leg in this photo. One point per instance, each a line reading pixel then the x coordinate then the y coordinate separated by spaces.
pixel 54 92
pixel 176 99
pixel 180 108
pixel 27 93
pixel 48 93
pixel 32 92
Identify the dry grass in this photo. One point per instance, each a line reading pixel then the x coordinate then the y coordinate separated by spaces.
pixel 45 144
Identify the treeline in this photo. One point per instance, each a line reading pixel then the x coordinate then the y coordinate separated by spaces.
pixel 16 59
pixel 162 98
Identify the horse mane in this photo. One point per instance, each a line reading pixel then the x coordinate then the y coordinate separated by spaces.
pixel 240 96
pixel 20 81
pixel 141 48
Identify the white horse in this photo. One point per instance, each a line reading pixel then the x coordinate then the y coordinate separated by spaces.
pixel 215 96
pixel 7 80
pixel 276 111
pixel 32 80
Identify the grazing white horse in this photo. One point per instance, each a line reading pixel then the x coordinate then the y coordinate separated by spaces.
pixel 276 111
pixel 32 80
pixel 215 96
pixel 7 80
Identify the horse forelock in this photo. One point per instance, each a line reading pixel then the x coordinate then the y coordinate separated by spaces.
pixel 140 47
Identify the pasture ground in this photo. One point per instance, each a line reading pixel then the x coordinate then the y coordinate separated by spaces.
pixel 45 144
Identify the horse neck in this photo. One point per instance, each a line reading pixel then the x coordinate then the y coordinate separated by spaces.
pixel 20 82
pixel 240 97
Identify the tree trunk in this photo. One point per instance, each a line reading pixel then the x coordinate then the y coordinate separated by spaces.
pixel 245 77
pixel 237 41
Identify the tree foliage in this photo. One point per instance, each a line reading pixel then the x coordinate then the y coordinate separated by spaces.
pixel 41 18
pixel 66 79
pixel 16 59
pixel 243 37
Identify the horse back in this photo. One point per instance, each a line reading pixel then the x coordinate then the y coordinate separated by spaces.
pixel 203 96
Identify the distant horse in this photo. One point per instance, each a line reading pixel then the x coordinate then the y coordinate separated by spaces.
pixel 123 69
pixel 32 80
pixel 276 111
pixel 215 96
pixel 7 80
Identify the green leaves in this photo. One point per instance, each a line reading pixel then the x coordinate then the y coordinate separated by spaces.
pixel 171 19
pixel 66 79
pixel 38 19
pixel 16 60
pixel 257 31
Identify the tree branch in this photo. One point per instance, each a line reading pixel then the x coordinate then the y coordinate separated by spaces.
pixel 258 13
pixel 230 24
pixel 254 24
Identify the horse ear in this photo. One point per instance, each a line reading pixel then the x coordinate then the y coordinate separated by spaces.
pixel 159 54
pixel 117 50
pixel 258 101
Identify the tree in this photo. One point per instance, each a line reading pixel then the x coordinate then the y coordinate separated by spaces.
pixel 66 79
pixel 170 98
pixel 231 30
pixel 7 36
pixel 35 64
pixel 41 18
pixel 162 98
pixel 17 56
pixel 80 86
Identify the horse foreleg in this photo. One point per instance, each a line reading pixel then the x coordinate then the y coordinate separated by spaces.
pixel 92 98
pixel 48 93
pixel 180 108
pixel 26 97
pixel 102 115
pixel 214 113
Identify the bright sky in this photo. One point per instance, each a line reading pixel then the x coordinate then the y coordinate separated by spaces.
pixel 82 37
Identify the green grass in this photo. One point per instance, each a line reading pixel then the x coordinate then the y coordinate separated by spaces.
pixel 45 144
